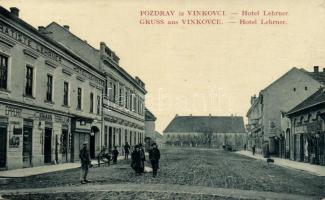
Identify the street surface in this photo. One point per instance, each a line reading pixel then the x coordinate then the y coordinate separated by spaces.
pixel 184 174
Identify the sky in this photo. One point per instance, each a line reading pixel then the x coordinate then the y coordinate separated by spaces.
pixel 194 69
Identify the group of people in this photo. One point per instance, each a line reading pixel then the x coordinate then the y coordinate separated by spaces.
pixel 138 159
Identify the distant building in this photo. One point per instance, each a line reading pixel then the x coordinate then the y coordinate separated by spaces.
pixel 206 131
pixel 265 115
pixel 307 138
pixel 151 135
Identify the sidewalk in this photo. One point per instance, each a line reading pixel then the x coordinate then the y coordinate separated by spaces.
pixel 314 169
pixel 31 171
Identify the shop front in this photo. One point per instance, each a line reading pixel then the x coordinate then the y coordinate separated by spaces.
pixel 308 143
pixel 32 138
pixel 85 130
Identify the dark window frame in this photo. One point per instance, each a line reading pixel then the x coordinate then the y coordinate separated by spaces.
pixel 29 81
pixel 49 88
pixel 65 93
pixel 91 108
pixel 4 65
pixel 79 98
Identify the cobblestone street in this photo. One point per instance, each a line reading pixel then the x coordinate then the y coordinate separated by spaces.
pixel 189 168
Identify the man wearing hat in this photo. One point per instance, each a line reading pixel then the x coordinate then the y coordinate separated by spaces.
pixel 154 156
pixel 85 162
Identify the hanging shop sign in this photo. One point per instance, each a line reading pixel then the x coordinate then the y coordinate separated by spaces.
pixel 301 129
pixel 312 127
pixel 12 111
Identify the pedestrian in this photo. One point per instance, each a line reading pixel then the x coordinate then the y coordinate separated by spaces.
pixel 126 150
pixel 143 156
pixel 115 155
pixel 136 162
pixel 85 163
pixel 154 157
pixel 253 149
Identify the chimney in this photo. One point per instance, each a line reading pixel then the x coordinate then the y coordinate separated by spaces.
pixel 323 69
pixel 14 11
pixel 41 29
pixel 316 69
pixel 209 115
pixel 66 27
pixel 85 41
pixel 253 98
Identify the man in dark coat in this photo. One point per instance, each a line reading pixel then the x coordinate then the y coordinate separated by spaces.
pixel 136 162
pixel 126 150
pixel 115 155
pixel 85 163
pixel 143 156
pixel 154 156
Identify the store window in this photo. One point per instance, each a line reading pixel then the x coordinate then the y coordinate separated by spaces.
pixel 49 91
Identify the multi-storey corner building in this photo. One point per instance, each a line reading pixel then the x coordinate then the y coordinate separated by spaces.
pixel 123 96
pixel 44 97
pixel 266 113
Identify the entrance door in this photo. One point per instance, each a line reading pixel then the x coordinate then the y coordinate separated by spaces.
pixel 3 146
pixel 110 133
pixel 27 146
pixel 302 147
pixel 64 145
pixel 92 147
pixel 48 145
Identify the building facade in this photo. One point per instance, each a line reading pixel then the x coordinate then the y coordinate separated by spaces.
pixel 307 138
pixel 123 96
pixel 151 135
pixel 266 112
pixel 44 113
pixel 206 132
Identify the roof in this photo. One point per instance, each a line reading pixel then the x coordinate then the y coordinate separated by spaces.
pixel 315 99
pixel 216 124
pixel 149 116
pixel 35 31
pixel 72 42
pixel 317 76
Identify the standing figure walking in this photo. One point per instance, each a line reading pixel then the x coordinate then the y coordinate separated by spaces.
pixel 115 155
pixel 154 156
pixel 253 149
pixel 85 163
pixel 143 157
pixel 136 162
pixel 126 150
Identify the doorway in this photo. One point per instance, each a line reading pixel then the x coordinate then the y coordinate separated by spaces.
pixel 27 146
pixel 110 138
pixel 3 146
pixel 92 147
pixel 64 145
pixel 48 145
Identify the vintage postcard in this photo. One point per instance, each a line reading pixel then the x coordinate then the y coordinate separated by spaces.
pixel 183 99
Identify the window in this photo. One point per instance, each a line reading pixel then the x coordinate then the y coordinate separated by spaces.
pixel 114 92
pixel 91 106
pixel 3 72
pixel 98 104
pixel 65 93
pixel 294 89
pixel 131 99
pixel 306 88
pixel 49 91
pixel 79 99
pixel 126 99
pixel 120 97
pixel 29 81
